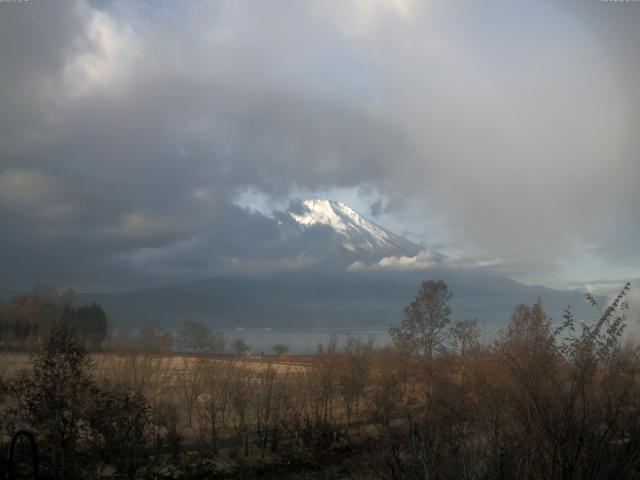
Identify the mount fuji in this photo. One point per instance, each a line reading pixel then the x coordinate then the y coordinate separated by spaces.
pixel 336 236
pixel 358 274
pixel 355 233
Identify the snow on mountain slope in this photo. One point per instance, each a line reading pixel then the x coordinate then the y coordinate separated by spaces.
pixel 356 233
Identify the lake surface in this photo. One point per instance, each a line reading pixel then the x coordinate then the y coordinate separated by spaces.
pixel 301 340
pixel 306 340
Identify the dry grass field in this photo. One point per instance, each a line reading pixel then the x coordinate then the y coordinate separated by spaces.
pixel 171 364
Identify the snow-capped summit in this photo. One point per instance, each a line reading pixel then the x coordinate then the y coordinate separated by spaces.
pixel 356 233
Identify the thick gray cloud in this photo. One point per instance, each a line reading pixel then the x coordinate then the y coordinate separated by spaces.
pixel 128 130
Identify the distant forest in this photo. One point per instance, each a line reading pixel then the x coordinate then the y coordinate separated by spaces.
pixel 27 319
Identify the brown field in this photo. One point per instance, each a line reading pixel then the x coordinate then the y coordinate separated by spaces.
pixel 15 363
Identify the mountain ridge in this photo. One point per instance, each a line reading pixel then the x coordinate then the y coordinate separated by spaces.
pixel 328 299
pixel 330 292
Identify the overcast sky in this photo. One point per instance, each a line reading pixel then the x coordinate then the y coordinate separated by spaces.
pixel 144 143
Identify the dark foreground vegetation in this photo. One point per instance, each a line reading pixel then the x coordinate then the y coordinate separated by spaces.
pixel 544 401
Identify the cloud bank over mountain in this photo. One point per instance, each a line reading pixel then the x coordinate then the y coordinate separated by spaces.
pixel 129 131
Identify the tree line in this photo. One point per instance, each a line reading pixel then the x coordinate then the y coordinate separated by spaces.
pixel 26 320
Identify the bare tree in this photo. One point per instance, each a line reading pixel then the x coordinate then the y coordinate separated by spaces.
pixel 423 330
pixel 272 403
pixel 196 337
pixel 240 346
pixel 466 335
pixel 241 406
pixel 387 387
pixel 322 380
pixel 120 421
pixel 217 382
pixel 280 349
pixel 189 385
pixel 354 374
